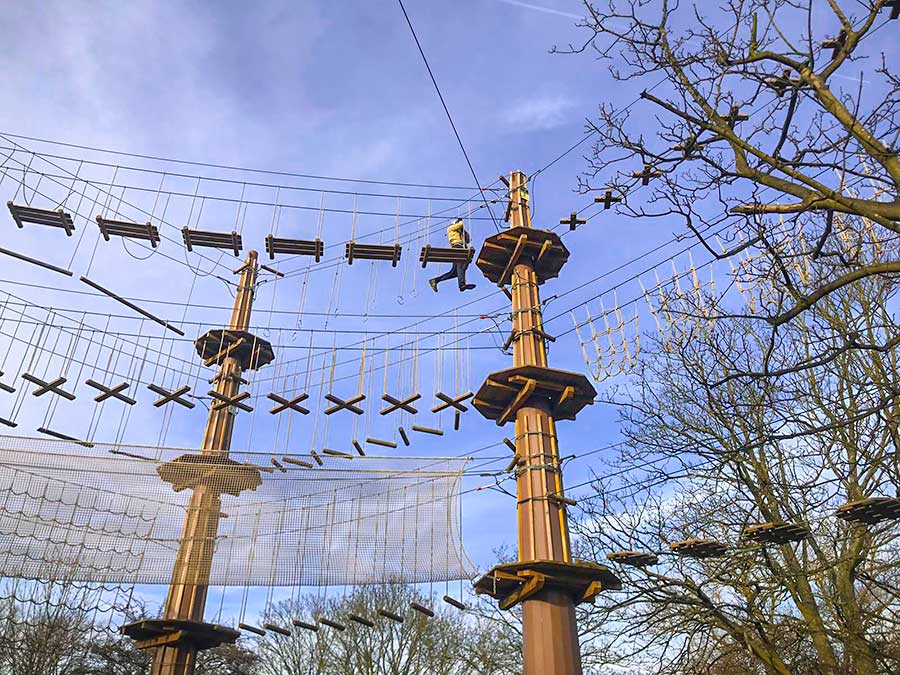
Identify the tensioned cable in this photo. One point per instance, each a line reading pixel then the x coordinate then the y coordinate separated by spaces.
pixel 446 109
pixel 228 167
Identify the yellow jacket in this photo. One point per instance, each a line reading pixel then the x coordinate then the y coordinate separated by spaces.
pixel 456 233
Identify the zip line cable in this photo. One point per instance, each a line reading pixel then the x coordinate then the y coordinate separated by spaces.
pixel 446 109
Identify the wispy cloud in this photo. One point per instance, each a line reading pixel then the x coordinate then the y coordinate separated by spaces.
pixel 539 112
pixel 539 8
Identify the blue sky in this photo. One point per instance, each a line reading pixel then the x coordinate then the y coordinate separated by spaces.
pixel 327 88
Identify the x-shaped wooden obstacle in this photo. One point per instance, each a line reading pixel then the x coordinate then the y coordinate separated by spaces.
pixel 45 387
pixel 110 392
pixel 288 404
pixel 170 396
pixel 230 401
pixel 341 404
pixel 450 402
pixel 397 404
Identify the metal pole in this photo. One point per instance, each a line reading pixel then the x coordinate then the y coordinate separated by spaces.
pixel 190 576
pixel 549 629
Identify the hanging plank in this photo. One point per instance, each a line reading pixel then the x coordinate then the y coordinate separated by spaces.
pixel 128 230
pixel 29 214
pixel 433 254
pixel 356 251
pixel 209 239
pixel 311 247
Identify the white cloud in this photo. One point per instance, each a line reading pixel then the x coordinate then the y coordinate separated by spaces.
pixel 539 113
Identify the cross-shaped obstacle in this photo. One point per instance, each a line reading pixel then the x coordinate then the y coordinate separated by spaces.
pixel 735 115
pixel 397 404
pixel 607 200
pixel 646 174
pixel 45 387
pixel 230 401
pixel 341 404
pixel 572 221
pixel 170 396
pixel 29 214
pixel 288 404
pixel 451 402
pixel 687 147
pixel 110 392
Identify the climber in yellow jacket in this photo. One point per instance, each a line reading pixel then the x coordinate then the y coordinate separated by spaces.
pixel 458 238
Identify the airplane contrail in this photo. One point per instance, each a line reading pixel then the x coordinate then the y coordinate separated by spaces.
pixel 538 8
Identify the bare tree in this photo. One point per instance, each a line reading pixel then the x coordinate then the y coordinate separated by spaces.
pixel 450 643
pixel 712 452
pixel 765 112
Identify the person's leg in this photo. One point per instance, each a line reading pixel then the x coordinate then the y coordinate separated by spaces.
pixel 461 268
pixel 446 276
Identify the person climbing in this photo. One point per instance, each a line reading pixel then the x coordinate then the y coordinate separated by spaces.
pixel 458 238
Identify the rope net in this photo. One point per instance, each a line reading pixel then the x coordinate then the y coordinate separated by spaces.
pixel 117 514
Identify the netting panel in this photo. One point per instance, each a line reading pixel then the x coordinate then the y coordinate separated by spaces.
pixel 89 515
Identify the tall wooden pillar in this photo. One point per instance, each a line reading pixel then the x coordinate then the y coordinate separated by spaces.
pixel 181 633
pixel 546 581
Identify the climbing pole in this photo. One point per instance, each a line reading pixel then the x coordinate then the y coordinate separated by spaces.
pixel 181 632
pixel 546 581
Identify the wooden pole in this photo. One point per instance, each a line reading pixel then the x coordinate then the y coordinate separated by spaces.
pixel 190 576
pixel 550 633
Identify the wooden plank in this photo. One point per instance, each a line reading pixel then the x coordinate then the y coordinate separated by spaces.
pixel 514 405
pixel 513 260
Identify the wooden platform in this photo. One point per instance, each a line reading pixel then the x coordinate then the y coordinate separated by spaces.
pixel 251 352
pixel 504 392
pixel 357 251
pixel 515 582
pixel 29 214
pixel 122 228
pixel 152 633
pixel 433 254
pixel 698 548
pixel 218 474
pixel 774 533
pixel 205 238
pixel 870 511
pixel 633 558
pixel 502 252
pixel 311 247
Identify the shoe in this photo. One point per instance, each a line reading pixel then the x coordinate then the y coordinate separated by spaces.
pixel 433 284
pixel 467 287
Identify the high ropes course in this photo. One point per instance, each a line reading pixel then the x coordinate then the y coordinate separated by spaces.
pixel 143 297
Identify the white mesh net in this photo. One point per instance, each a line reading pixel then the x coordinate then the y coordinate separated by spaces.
pixel 96 514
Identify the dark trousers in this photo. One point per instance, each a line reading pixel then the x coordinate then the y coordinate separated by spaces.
pixel 458 270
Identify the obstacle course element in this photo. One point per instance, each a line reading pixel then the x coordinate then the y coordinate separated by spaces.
pixel 546 580
pixel 52 386
pixel 775 533
pixel 28 214
pixel 633 558
pixel 871 511
pixel 405 404
pixel 505 392
pixel 573 221
pixel 307 247
pixel 209 239
pixel 542 250
pixel 175 396
pixel 698 548
pixel 191 636
pixel 128 230
pixel 249 351
pixel 344 404
pixel 434 254
pixel 283 404
pixel 356 251
pixel 516 582
pixel 110 392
